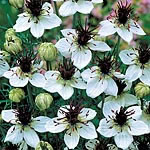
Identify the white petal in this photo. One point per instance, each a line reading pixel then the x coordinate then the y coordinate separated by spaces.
pixel 110 108
pixel 125 34
pixel 145 77
pixel 3 67
pixel 47 6
pixel 86 114
pixel 63 109
pixel 39 123
pixel 56 125
pixel 14 135
pixel 38 80
pixel 133 73
pixel 18 82
pixel 64 47
pixel 95 87
pixel 97 1
pixel 49 22
pixel 105 128
pixel 66 92
pixel 112 88
pixel 136 29
pixel 10 73
pixel 107 28
pixel 52 74
pixel 84 7
pixel 123 140
pixel 22 24
pixel 70 34
pixel 9 115
pixel 37 29
pixel 128 56
pixel 81 58
pixel 99 46
pixel 31 137
pixel 138 128
pixel 68 8
pixel 87 130
pixel 79 84
pixel 23 146
pixel 71 138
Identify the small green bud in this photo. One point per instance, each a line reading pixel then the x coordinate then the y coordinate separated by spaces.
pixel 17 3
pixel 142 90
pixel 16 95
pixel 13 44
pixel 48 51
pixel 43 146
pixel 43 101
pixel 10 32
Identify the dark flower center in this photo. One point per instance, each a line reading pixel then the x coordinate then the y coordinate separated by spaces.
pixel 121 85
pixel 11 147
pixel 24 115
pixel 124 11
pixel 67 70
pixel 35 7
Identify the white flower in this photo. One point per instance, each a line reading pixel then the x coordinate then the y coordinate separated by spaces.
pixel 139 64
pixel 37 17
pixel 70 7
pixel 26 72
pixel 3 66
pixel 100 78
pixel 122 123
pixel 76 120
pixel 79 43
pixel 24 126
pixel 122 22
pixel 64 81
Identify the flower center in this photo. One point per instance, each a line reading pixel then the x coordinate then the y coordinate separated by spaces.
pixel 67 70
pixel 35 7
pixel 24 115
pixel 121 85
pixel 124 11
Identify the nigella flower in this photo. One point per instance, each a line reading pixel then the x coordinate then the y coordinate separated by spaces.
pixel 139 64
pixel 70 7
pixel 3 66
pixel 25 71
pixel 122 21
pixel 64 80
pixel 100 78
pixel 76 120
pixel 78 43
pixel 122 123
pixel 24 126
pixel 38 17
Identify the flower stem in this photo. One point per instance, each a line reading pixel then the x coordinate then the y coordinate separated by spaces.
pixel 116 48
pixel 56 9
pixel 103 101
pixel 75 19
pixel 30 95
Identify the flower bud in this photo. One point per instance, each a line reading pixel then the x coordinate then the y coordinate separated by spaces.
pixel 43 145
pixel 13 44
pixel 142 90
pixel 16 95
pixel 43 101
pixel 10 32
pixel 48 51
pixel 17 3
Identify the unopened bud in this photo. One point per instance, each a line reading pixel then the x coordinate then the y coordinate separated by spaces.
pixel 17 3
pixel 43 146
pixel 10 32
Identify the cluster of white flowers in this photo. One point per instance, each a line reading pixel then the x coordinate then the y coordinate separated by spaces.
pixel 123 118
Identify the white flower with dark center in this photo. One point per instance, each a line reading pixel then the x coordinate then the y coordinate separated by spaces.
pixel 100 78
pixel 70 7
pixel 139 64
pixel 76 120
pixel 123 98
pixel 95 144
pixel 121 21
pixel 37 17
pixel 64 80
pixel 25 72
pixel 122 124
pixel 24 126
pixel 3 66
pixel 78 44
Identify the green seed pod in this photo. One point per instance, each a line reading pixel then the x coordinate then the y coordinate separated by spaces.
pixel 17 3
pixel 13 44
pixel 142 90
pixel 43 146
pixel 16 95
pixel 48 51
pixel 10 32
pixel 43 101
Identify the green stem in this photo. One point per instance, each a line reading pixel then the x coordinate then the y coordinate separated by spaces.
pixel 30 95
pixel 56 9
pixel 117 50
pixel 103 101
pixel 75 20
